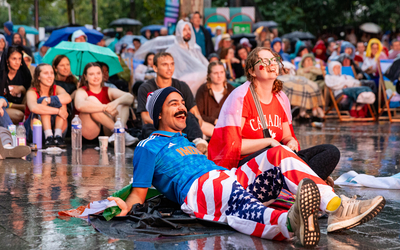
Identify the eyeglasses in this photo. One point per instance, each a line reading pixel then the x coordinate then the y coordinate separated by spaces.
pixel 268 61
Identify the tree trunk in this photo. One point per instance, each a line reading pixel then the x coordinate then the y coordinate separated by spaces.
pixel 71 12
pixel 95 21
pixel 132 13
pixel 37 19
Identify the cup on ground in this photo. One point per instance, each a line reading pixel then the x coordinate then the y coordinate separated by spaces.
pixel 103 143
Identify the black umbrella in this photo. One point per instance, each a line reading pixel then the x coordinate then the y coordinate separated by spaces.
pixel 265 24
pixel 125 22
pixel 299 35
pixel 252 38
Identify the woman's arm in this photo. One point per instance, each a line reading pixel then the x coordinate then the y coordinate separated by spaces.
pixel 86 106
pixel 63 96
pixel 250 146
pixel 41 109
pixel 287 138
pixel 120 97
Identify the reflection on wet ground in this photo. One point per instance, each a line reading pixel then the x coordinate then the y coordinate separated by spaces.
pixel 33 191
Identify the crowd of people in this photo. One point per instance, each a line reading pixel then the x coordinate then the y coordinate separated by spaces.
pixel 235 103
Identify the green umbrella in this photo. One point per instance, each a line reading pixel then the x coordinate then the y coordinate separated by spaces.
pixel 28 29
pixel 80 54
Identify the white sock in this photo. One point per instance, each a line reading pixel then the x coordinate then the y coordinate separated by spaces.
pixel 58 132
pixel 48 133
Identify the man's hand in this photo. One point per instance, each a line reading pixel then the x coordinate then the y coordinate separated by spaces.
pixel 121 204
pixel 293 145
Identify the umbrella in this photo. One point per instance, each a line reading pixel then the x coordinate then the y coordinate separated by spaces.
pixel 80 54
pixel 125 22
pixel 267 24
pixel 299 35
pixel 152 28
pixel 64 34
pixel 155 45
pixel 370 28
pixel 28 30
pixel 236 38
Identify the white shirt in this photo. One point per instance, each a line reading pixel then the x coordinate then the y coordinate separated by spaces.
pixel 218 95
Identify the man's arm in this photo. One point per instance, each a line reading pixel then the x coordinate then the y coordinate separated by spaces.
pixel 146 117
pixel 196 113
pixel 137 195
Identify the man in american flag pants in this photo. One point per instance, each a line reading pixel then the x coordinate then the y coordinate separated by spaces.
pixel 238 197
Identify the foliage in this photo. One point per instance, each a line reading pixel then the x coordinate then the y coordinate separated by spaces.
pixel 54 12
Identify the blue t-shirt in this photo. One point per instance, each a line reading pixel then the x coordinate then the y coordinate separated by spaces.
pixel 200 40
pixel 171 163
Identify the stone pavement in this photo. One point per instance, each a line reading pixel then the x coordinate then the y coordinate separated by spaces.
pixel 33 191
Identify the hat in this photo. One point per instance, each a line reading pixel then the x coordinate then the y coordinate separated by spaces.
pixel 155 101
pixel 212 55
pixel 245 42
pixel 78 33
pixel 226 36
pixel 218 28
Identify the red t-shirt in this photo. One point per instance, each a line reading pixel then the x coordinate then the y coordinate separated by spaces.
pixel 274 116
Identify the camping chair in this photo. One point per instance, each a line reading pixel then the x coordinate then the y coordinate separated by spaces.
pixel 344 115
pixel 383 65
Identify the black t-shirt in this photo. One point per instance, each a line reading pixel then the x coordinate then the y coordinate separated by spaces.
pixel 18 80
pixel 69 87
pixel 150 86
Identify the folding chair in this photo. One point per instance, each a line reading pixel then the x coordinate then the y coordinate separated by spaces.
pixel 383 65
pixel 344 115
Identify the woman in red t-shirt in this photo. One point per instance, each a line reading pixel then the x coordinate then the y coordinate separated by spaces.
pixel 99 106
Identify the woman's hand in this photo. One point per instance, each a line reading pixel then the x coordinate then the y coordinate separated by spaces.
pixel 121 204
pixel 63 113
pixel 16 90
pixel 111 108
pixel 293 145
pixel 273 142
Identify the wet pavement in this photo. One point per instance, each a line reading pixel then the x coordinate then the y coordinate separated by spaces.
pixel 33 191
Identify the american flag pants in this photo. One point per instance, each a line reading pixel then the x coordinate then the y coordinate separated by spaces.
pixel 236 196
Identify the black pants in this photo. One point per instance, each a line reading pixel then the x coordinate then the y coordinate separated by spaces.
pixel 322 159
pixel 192 130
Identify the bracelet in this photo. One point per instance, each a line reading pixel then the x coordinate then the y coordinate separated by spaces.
pixel 10 104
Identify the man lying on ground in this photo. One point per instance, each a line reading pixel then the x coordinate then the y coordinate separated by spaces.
pixel 238 196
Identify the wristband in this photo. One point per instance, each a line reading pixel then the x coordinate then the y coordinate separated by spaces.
pixel 10 104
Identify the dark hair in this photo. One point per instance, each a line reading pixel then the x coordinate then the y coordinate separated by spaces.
pixel 71 78
pixel 160 55
pixel 253 57
pixel 224 52
pixel 266 40
pixel 103 64
pixel 20 36
pixel 194 13
pixel 136 39
pixel 36 81
pixel 12 49
pixel 83 81
pixel 147 57
pixel 239 47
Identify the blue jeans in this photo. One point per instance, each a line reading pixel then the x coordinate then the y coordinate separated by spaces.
pixel 5 120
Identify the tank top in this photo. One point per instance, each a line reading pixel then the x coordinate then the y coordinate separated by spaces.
pixel 27 111
pixel 102 96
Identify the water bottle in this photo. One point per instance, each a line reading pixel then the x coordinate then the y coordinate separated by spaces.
pixel 13 130
pixel 21 135
pixel 119 133
pixel 76 133
pixel 37 133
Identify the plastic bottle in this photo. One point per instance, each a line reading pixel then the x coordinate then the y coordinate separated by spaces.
pixel 37 133
pixel 21 135
pixel 13 130
pixel 119 133
pixel 76 133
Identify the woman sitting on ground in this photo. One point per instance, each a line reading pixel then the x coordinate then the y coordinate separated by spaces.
pixel 241 54
pixel 100 106
pixel 230 62
pixel 145 71
pixel 64 77
pixel 49 101
pixel 15 79
pixel 211 96
pixel 262 70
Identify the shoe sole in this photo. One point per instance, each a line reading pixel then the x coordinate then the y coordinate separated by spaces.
pixel 17 152
pixel 358 220
pixel 308 205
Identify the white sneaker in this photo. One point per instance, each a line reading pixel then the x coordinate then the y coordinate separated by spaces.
pixel 353 212
pixel 129 140
pixel 111 139
pixel 201 145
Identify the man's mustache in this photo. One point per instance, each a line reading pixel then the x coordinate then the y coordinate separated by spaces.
pixel 180 113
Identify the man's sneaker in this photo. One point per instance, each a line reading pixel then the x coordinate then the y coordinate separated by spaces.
pixel 353 212
pixel 303 215
pixel 49 142
pixel 201 145
pixel 111 139
pixel 59 142
pixel 129 140
pixel 8 151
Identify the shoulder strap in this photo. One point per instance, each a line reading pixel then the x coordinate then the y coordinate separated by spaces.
pixel 260 112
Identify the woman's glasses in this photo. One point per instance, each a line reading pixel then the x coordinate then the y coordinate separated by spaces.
pixel 268 61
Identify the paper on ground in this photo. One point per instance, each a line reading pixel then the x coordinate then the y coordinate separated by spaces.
pixel 351 178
